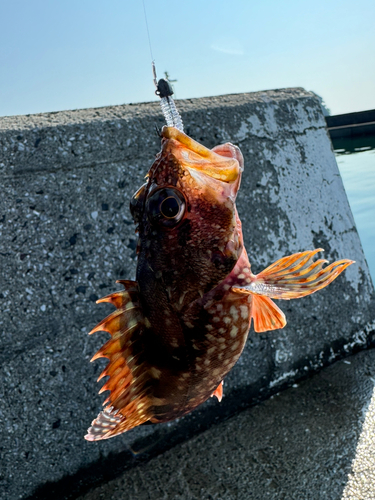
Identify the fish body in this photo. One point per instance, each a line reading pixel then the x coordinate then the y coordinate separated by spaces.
pixel 182 325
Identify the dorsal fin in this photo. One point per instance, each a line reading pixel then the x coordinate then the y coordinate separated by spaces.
pixel 127 405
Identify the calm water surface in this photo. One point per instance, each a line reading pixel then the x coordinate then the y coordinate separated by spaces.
pixel 358 174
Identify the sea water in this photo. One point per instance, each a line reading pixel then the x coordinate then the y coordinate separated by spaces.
pixel 358 175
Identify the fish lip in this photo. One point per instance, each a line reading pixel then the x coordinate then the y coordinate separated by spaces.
pixel 193 155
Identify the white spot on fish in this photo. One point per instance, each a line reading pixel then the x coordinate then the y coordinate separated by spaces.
pixel 132 323
pixel 244 312
pixel 235 345
pixel 233 331
pixel 155 372
pixel 234 312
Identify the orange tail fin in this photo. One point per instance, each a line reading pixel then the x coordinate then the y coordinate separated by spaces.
pixel 291 277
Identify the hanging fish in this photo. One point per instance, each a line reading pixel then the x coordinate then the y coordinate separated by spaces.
pixel 182 325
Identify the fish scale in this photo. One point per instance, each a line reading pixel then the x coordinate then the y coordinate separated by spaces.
pixel 181 326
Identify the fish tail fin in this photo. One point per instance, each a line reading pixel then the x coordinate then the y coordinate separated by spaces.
pixel 291 277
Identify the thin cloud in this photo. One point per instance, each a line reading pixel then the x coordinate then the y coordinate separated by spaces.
pixel 232 47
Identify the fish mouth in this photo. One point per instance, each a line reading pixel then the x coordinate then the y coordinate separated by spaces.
pixel 226 166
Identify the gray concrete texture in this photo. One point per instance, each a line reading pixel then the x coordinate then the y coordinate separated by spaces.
pixel 314 441
pixel 67 235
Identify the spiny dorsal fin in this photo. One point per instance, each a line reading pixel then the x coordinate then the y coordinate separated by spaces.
pixel 110 422
pixel 127 403
pixel 105 423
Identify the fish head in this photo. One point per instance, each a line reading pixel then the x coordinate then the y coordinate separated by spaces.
pixel 189 232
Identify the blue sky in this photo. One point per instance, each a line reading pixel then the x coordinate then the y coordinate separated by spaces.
pixel 69 54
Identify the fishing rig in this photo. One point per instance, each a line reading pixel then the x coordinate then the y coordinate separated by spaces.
pixel 164 91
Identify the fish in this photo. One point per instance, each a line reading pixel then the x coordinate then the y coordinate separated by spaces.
pixel 181 326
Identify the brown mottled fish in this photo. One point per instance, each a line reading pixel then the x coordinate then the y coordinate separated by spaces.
pixel 182 325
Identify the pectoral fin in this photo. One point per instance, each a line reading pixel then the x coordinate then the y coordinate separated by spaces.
pixel 295 276
pixel 218 392
pixel 291 277
pixel 266 315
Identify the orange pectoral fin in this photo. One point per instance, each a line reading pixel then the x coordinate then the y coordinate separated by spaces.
pixel 291 277
pixel 296 276
pixel 218 392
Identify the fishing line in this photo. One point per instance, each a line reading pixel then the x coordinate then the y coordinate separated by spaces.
pixel 164 90
pixel 148 31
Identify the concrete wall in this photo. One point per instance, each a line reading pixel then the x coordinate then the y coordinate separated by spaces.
pixel 66 235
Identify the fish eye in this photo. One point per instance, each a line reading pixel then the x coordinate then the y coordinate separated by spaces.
pixel 136 203
pixel 166 207
pixel 170 207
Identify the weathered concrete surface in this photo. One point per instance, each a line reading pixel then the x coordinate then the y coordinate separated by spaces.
pixel 66 236
pixel 298 445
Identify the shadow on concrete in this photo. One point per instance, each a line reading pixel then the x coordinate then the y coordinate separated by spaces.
pixel 299 444
pixel 302 439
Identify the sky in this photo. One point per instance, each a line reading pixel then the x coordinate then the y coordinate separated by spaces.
pixel 57 55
